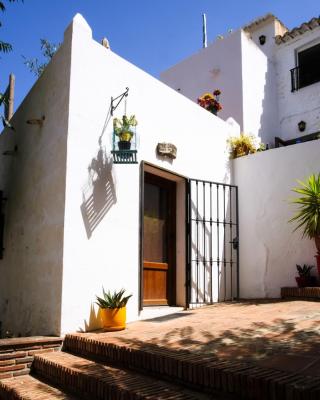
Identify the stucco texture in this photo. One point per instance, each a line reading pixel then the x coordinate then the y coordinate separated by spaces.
pixel 33 180
pixel 269 249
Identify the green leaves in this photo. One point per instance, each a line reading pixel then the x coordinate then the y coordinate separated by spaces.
pixel 115 300
pixel 124 124
pixel 305 270
pixel 5 47
pixel 48 50
pixel 308 203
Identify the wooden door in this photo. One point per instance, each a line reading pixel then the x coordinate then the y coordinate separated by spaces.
pixel 159 241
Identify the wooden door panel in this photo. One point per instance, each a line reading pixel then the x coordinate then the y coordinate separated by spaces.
pixel 159 241
pixel 155 276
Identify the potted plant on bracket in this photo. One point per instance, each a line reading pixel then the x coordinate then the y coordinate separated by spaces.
pixel 308 215
pixel 124 129
pixel 113 309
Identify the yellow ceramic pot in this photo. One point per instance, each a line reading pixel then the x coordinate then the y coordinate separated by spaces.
pixel 113 319
pixel 126 136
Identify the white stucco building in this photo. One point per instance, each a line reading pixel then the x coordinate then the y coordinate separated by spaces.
pixel 164 229
pixel 269 77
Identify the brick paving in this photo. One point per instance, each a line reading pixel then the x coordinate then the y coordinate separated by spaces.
pixel 283 335
pixel 30 388
pixel 16 354
pixel 258 350
pixel 254 350
pixel 99 381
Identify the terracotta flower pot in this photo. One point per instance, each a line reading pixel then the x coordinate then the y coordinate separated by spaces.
pixel 301 281
pixel 113 319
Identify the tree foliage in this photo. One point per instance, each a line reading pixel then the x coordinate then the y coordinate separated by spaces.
pixel 48 50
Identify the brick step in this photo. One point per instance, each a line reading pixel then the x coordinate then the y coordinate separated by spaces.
pixel 306 293
pixel 30 388
pixel 244 380
pixel 93 380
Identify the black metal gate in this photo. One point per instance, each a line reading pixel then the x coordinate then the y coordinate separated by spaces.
pixel 212 242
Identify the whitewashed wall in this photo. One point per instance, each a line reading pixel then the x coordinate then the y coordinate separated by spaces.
pixel 243 70
pixel 303 104
pixel 259 100
pixel 269 250
pixel 109 257
pixel 216 67
pixel 34 183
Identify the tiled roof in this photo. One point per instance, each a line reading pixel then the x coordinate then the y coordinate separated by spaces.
pixel 260 20
pixel 305 27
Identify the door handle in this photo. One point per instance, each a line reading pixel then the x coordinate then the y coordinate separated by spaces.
pixel 235 243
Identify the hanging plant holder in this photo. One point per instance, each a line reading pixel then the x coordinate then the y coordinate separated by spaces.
pixel 124 140
pixel 124 156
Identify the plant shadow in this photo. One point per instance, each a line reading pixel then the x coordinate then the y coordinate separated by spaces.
pixel 99 195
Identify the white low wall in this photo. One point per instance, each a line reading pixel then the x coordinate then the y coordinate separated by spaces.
pixel 269 250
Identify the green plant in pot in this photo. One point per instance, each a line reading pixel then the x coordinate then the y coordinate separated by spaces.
pixel 305 279
pixel 243 145
pixel 113 309
pixel 308 215
pixel 123 128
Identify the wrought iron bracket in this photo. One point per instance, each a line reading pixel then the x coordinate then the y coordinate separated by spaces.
pixel 119 98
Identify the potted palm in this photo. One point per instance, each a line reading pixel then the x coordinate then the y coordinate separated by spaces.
pixel 113 309
pixel 123 128
pixel 308 215
pixel 305 279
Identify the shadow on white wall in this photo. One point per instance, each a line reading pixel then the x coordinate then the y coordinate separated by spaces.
pixel 99 195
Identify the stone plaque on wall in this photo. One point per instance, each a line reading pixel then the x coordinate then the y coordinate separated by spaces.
pixel 167 150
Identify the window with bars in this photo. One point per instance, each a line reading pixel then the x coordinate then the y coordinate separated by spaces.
pixel 307 72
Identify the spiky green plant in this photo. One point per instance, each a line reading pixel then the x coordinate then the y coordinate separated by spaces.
pixel 308 216
pixel 113 300
pixel 305 270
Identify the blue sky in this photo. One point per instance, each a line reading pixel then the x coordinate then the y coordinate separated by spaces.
pixel 152 34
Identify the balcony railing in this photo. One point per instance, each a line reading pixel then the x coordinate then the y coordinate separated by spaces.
pixel 304 76
pixel 306 138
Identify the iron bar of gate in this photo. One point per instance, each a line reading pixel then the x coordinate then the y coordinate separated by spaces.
pixel 238 255
pixel 210 247
pixel 188 242
pixel 218 242
pixel 231 243
pixel 204 241
pixel 224 244
pixel 200 285
pixel 197 257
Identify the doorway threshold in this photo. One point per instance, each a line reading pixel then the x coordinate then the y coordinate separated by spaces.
pixel 158 311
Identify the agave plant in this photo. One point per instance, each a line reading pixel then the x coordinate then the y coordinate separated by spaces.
pixel 113 300
pixel 308 216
